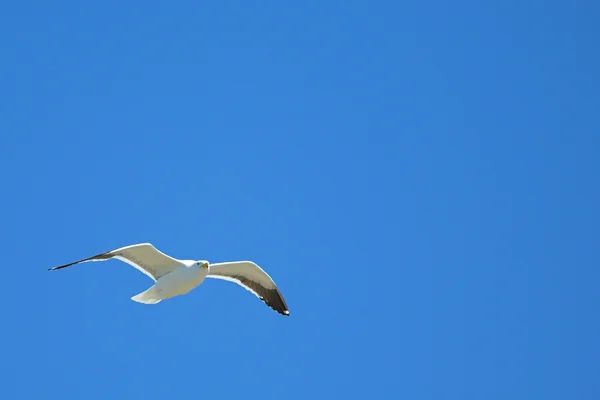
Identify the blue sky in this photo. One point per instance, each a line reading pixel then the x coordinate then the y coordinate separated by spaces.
pixel 419 178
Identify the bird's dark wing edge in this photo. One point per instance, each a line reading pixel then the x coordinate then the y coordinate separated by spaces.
pixel 101 256
pixel 271 297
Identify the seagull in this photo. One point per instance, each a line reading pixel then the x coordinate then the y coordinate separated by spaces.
pixel 175 277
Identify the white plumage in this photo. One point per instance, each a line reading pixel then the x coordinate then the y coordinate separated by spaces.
pixel 175 277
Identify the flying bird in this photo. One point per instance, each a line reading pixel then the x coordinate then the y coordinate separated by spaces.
pixel 175 277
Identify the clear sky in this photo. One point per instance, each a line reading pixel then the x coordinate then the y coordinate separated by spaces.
pixel 420 178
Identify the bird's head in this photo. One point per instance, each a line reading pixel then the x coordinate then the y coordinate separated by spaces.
pixel 202 264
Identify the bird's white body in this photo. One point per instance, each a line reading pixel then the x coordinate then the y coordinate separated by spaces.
pixel 180 281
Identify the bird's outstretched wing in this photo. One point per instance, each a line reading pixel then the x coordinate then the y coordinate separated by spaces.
pixel 144 257
pixel 253 278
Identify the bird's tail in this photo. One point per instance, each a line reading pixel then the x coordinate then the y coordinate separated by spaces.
pixel 147 297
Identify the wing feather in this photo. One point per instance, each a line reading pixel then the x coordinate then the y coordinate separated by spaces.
pixel 144 257
pixel 254 279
